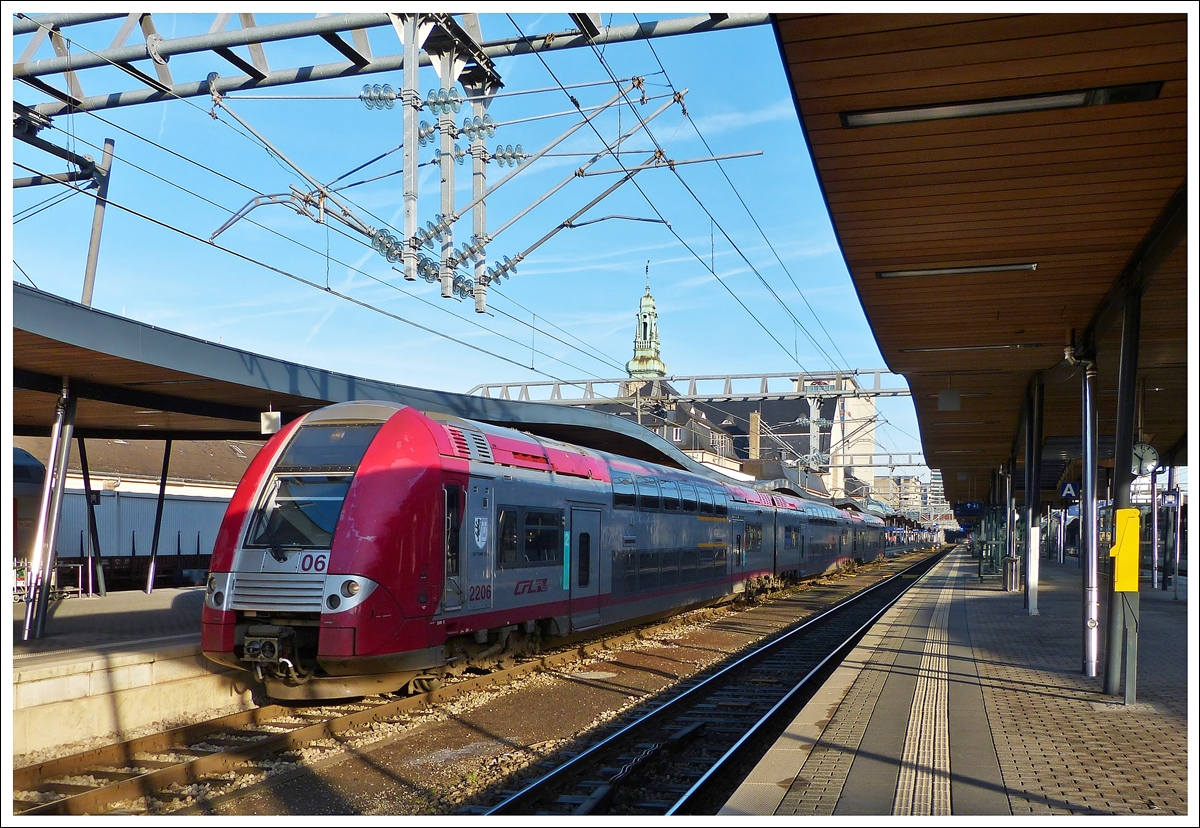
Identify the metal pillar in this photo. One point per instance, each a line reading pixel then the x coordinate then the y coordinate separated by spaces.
pixel 1154 529
pixel 1033 493
pixel 95 560
pixel 448 62
pixel 1122 607
pixel 1172 528
pixel 41 569
pixel 413 31
pixel 102 176
pixel 1178 539
pixel 1088 515
pixel 162 492
pixel 481 95
pixel 1010 534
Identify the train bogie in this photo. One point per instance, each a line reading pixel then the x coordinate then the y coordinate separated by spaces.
pixel 373 547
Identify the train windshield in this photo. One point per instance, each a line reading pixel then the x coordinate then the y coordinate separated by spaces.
pixel 299 512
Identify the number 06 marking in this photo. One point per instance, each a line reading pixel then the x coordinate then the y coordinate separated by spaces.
pixel 314 563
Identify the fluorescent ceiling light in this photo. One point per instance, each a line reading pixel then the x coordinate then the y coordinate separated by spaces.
pixel 958 271
pixel 1132 93
pixel 971 348
pixel 967 423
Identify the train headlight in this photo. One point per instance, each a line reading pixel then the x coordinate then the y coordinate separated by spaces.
pixel 212 584
pixel 333 602
pixel 350 588
pixel 253 648
pixel 268 651
pixel 219 598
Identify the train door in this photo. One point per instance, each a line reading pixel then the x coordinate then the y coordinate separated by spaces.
pixel 480 543
pixel 737 552
pixel 583 567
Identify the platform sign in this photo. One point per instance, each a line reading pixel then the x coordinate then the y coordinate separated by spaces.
pixel 1170 500
pixel 1069 490
pixel 969 508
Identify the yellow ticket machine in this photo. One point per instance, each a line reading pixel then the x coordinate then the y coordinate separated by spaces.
pixel 1127 550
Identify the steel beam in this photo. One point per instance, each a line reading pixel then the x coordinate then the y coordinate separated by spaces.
pixel 554 41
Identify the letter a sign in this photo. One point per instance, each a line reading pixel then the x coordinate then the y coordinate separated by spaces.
pixel 1069 491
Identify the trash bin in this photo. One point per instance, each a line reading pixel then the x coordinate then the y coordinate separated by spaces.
pixel 1012 573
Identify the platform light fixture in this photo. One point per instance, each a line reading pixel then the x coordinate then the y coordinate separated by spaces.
pixel 1016 345
pixel 959 271
pixel 1130 93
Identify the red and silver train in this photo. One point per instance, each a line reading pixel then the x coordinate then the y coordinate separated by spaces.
pixel 371 547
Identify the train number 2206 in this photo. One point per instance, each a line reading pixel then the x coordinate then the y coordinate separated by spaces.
pixel 480 593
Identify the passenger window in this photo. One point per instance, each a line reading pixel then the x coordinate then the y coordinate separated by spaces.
pixel 543 537
pixel 670 494
pixel 721 503
pixel 753 537
pixel 624 492
pixel 688 497
pixel 706 501
pixel 648 497
pixel 584 562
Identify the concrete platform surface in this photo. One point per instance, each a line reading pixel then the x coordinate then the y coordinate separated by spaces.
pixel 113 667
pixel 961 703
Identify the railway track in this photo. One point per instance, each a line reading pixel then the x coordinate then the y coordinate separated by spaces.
pixel 685 755
pixel 216 760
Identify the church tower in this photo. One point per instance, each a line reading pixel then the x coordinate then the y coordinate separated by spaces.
pixel 646 363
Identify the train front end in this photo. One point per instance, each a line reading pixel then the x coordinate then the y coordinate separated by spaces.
pixel 323 577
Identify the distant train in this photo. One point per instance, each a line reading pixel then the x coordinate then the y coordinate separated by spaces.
pixel 371 547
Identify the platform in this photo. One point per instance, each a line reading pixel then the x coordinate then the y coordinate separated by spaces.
pixel 110 667
pixel 958 702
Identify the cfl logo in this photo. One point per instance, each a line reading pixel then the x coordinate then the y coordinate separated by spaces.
pixel 530 586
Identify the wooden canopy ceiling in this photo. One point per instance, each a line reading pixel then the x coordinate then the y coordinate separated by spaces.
pixel 1095 195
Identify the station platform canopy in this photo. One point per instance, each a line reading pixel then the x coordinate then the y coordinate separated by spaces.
pixel 134 381
pixel 1000 185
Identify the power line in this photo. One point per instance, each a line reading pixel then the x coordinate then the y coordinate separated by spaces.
pixel 728 238
pixel 751 214
pixel 660 215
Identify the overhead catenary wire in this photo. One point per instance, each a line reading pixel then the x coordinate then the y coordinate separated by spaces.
pixel 266 148
pixel 753 218
pixel 732 243
pixel 680 239
pixel 318 286
pixel 440 307
pixel 263 264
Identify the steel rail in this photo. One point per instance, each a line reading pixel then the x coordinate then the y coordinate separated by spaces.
pixel 535 790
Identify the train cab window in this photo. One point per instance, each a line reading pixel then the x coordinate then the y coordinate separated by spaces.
pixel 706 500
pixel 648 497
pixel 299 511
pixel 624 492
pixel 721 503
pixel 670 494
pixel 583 555
pixel 687 499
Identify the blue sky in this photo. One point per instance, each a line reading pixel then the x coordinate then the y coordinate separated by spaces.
pixel 568 312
